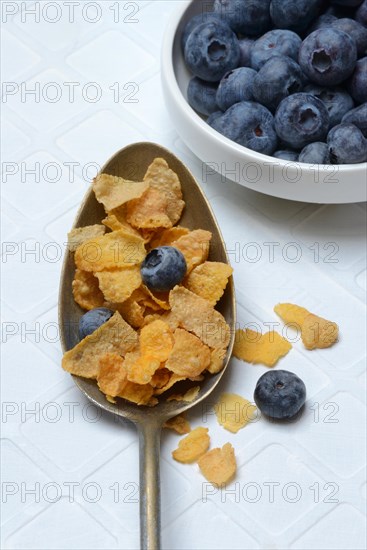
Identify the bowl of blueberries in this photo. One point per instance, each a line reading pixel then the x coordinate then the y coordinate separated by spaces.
pixel 272 94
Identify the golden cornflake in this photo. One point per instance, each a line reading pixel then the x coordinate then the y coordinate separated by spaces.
pixel 188 397
pixel 209 280
pixel 113 191
pixel 234 412
pixel 196 315
pixel 318 332
pixel 218 465
pixel 166 182
pixel 291 314
pixel 156 340
pixel 140 369
pixel 179 424
pixel 216 360
pixel 117 285
pixel 114 336
pixel 86 291
pixel 141 394
pixel 194 246
pixel 78 236
pixel 254 347
pixel 193 446
pixel 113 250
pixel 168 236
pixel 189 356
pixel 111 377
pixel 150 211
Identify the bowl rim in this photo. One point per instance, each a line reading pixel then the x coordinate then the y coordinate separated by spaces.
pixel 168 73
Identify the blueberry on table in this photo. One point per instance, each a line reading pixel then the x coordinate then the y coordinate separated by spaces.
pixel 92 320
pixel 301 119
pixel 211 50
pixel 347 145
pixel 276 42
pixel 357 85
pixel 280 394
pixel 278 78
pixel 295 15
pixel 201 96
pixel 358 117
pixel 336 99
pixel 163 268
pixel 286 154
pixel 328 56
pixel 248 17
pixel 315 153
pixel 249 124
pixel 195 21
pixel 355 30
pixel 234 87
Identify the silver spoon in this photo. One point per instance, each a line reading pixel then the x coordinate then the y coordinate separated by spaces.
pixel 131 162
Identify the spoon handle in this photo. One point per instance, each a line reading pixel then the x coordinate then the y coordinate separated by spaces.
pixel 150 521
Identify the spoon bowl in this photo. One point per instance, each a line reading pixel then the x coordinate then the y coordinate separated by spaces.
pixel 131 163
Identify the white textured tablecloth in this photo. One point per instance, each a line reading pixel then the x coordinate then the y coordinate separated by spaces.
pixel 74 92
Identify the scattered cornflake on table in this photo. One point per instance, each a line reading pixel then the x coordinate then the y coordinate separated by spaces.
pixel 193 446
pixel 316 332
pixel 218 465
pixel 234 412
pixel 179 424
pixel 254 347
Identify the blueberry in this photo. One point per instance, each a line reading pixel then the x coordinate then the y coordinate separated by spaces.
pixel 328 56
pixel 234 87
pixel 286 154
pixel 280 394
pixel 213 117
pixel 347 3
pixel 301 119
pixel 201 96
pixel 163 268
pixel 211 50
pixel 278 78
pixel 315 153
pixel 197 20
pixel 249 17
pixel 246 45
pixel 324 20
pixel 337 101
pixel 294 15
pixel 355 30
pixel 358 117
pixel 92 320
pixel 361 14
pixel 249 124
pixel 357 85
pixel 347 145
pixel 276 42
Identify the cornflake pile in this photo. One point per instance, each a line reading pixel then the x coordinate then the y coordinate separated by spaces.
pixel 153 340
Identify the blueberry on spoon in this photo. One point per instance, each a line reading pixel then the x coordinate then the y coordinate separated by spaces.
pixel 163 268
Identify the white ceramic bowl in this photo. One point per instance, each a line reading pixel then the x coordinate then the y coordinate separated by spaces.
pixel 289 180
